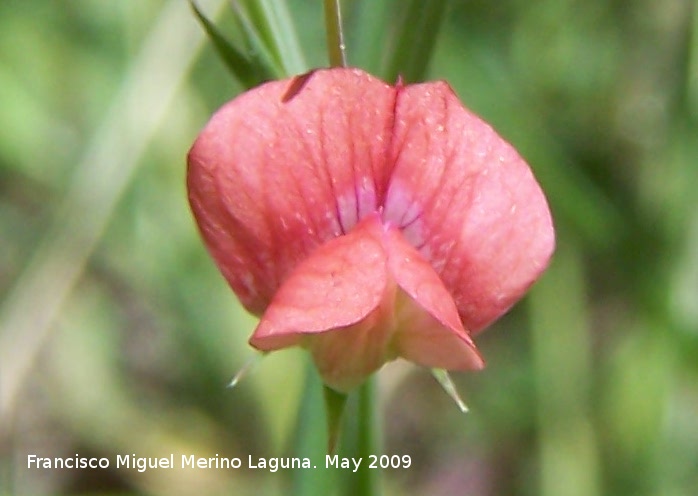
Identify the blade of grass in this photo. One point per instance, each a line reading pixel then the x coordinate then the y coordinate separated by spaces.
pixel 257 44
pixel 444 379
pixel 275 26
pixel 335 37
pixel 370 36
pixel 415 38
pixel 335 404
pixel 249 70
pixel 289 44
pixel 310 439
pixel 562 351
pixel 692 64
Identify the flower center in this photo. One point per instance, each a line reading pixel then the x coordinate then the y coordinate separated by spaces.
pixel 398 210
pixel 356 204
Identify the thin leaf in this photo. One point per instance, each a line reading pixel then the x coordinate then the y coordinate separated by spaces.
pixel 258 17
pixel 335 33
pixel 247 366
pixel 444 379
pixel 334 407
pixel 259 48
pixel 275 26
pixel 249 71
pixel 568 457
pixel 370 36
pixel 414 41
pixel 287 39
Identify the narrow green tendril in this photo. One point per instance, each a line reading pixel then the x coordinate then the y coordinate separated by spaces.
pixel 334 407
pixel 335 37
pixel 447 384
pixel 249 365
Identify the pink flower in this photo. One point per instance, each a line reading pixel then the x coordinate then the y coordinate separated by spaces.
pixel 366 222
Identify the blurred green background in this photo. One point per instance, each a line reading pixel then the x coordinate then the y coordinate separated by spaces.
pixel 118 335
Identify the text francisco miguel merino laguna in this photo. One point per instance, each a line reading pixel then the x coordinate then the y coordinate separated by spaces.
pixel 190 461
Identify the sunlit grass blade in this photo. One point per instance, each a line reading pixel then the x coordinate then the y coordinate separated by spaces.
pixel 370 35
pixel 414 41
pixel 692 63
pixel 335 33
pixel 261 19
pixel 249 70
pixel 569 461
pixel 259 47
pixel 275 26
pixel 289 45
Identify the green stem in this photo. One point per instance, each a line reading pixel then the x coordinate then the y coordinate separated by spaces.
pixel 334 410
pixel 360 440
pixel 335 37
pixel 368 440
pixel 310 440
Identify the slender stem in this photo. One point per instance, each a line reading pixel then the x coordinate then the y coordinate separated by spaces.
pixel 334 409
pixel 309 440
pixel 335 37
pixel 368 440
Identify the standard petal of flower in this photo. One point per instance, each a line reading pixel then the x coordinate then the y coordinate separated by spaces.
pixel 286 167
pixel 468 202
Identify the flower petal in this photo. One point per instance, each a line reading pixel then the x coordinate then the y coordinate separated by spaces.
pixel 340 284
pixel 334 303
pixel 285 167
pixel 467 201
pixel 429 330
pixel 363 299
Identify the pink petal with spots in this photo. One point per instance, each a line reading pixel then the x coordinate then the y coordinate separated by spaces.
pixel 468 202
pixel 285 167
pixel 363 299
pixel 367 222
